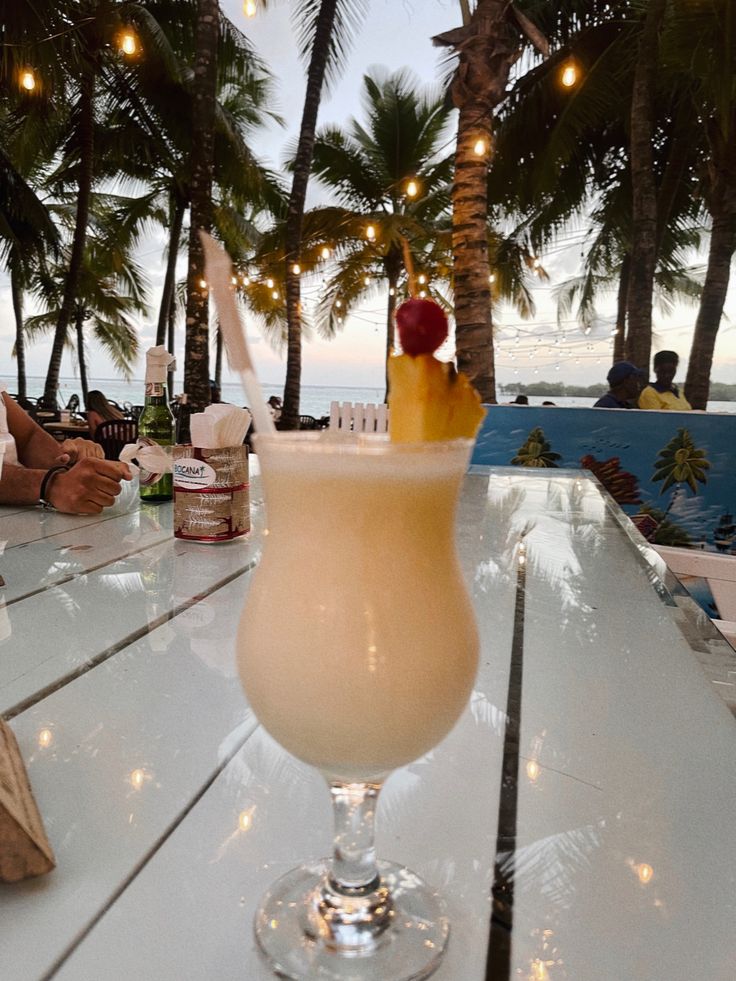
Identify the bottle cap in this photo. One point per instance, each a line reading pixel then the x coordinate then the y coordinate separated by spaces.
pixel 158 361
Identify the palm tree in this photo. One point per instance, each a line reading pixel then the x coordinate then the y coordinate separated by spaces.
pixel 536 452
pixel 325 37
pixel 644 189
pixel 369 167
pixel 680 462
pixel 701 39
pixel 204 93
pixel 486 47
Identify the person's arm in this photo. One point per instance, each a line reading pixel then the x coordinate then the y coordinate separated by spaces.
pixel 37 448
pixel 649 399
pixel 86 488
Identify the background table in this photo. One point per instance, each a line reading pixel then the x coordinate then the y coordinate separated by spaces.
pixel 585 799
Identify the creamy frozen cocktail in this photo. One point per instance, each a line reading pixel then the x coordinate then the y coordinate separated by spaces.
pixel 358 649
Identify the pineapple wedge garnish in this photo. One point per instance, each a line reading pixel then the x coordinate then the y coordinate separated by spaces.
pixel 429 400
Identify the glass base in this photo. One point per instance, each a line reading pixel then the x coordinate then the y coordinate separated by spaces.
pixel 307 930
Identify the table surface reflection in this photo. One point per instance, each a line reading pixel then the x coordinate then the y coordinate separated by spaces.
pixel 579 820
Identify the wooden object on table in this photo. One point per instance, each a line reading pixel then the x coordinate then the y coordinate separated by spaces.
pixel 24 848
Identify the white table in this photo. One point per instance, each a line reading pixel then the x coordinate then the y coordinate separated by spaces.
pixel 611 840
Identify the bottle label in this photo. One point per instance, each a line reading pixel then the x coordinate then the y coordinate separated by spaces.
pixel 154 389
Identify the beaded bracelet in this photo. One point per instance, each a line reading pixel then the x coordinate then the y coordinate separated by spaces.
pixel 47 478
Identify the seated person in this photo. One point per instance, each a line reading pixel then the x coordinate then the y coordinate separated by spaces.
pixel 274 407
pixel 624 381
pixel 73 475
pixel 520 400
pixel 99 410
pixel 663 394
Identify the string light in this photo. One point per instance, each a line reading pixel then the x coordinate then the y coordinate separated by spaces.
pixel 412 189
pixel 128 43
pixel 569 74
pixel 492 278
pixel 203 284
pixel 338 303
pixel 27 80
pixel 370 232
pixel 325 253
pixel 296 269
pixel 234 280
pixel 422 279
pixel 269 283
pixel 275 294
pixel 249 8
pixel 480 148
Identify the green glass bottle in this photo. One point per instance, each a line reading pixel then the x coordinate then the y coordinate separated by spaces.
pixel 156 424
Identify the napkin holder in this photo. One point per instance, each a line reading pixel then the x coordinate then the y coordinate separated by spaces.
pixel 24 848
pixel 211 493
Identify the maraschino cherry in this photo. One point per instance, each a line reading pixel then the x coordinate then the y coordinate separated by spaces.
pixel 422 326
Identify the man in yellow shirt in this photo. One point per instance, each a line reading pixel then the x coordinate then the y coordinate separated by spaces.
pixel 663 394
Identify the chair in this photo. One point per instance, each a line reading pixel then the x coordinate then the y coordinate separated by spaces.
pixel 113 434
pixel 358 418
pixel 719 571
pixel 308 422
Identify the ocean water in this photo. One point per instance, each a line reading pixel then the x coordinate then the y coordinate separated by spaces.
pixel 315 399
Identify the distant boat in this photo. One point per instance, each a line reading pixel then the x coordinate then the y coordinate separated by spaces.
pixel 725 533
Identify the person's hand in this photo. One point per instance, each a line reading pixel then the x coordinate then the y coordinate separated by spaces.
pixel 88 487
pixel 73 450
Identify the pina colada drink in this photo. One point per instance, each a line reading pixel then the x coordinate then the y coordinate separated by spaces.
pixel 357 649
pixel 357 646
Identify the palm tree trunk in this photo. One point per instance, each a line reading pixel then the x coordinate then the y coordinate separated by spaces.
pixel 619 341
pixel 170 340
pixel 487 48
pixel 390 312
pixel 644 190
pixel 16 289
pixel 84 194
pixel 178 207
pixel 204 92
pixel 81 359
pixel 713 297
pixel 295 214
pixel 218 357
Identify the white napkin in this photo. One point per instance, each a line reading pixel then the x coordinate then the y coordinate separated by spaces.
pixel 219 425
pixel 156 459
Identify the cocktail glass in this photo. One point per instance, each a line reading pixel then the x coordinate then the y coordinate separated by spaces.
pixel 357 649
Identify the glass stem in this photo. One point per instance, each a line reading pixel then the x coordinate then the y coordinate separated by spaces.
pixel 354 871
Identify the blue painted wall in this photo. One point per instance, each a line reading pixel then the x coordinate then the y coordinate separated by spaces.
pixel 635 438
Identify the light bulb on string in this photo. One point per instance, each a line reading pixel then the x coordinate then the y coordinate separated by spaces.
pixel 325 253
pixel 480 148
pixel 203 284
pixel 249 8
pixel 296 269
pixel 412 189
pixel 27 80
pixel 269 283
pixel 370 233
pixel 275 294
pixel 422 279
pixel 492 278
pixel 569 74
pixel 128 43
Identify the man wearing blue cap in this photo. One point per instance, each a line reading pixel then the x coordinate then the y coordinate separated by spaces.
pixel 624 384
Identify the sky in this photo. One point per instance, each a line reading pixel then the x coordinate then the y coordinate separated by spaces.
pixel 396 35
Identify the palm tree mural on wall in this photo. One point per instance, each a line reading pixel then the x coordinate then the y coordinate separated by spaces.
pixel 536 452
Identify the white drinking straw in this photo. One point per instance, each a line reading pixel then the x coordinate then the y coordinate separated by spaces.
pixel 218 273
